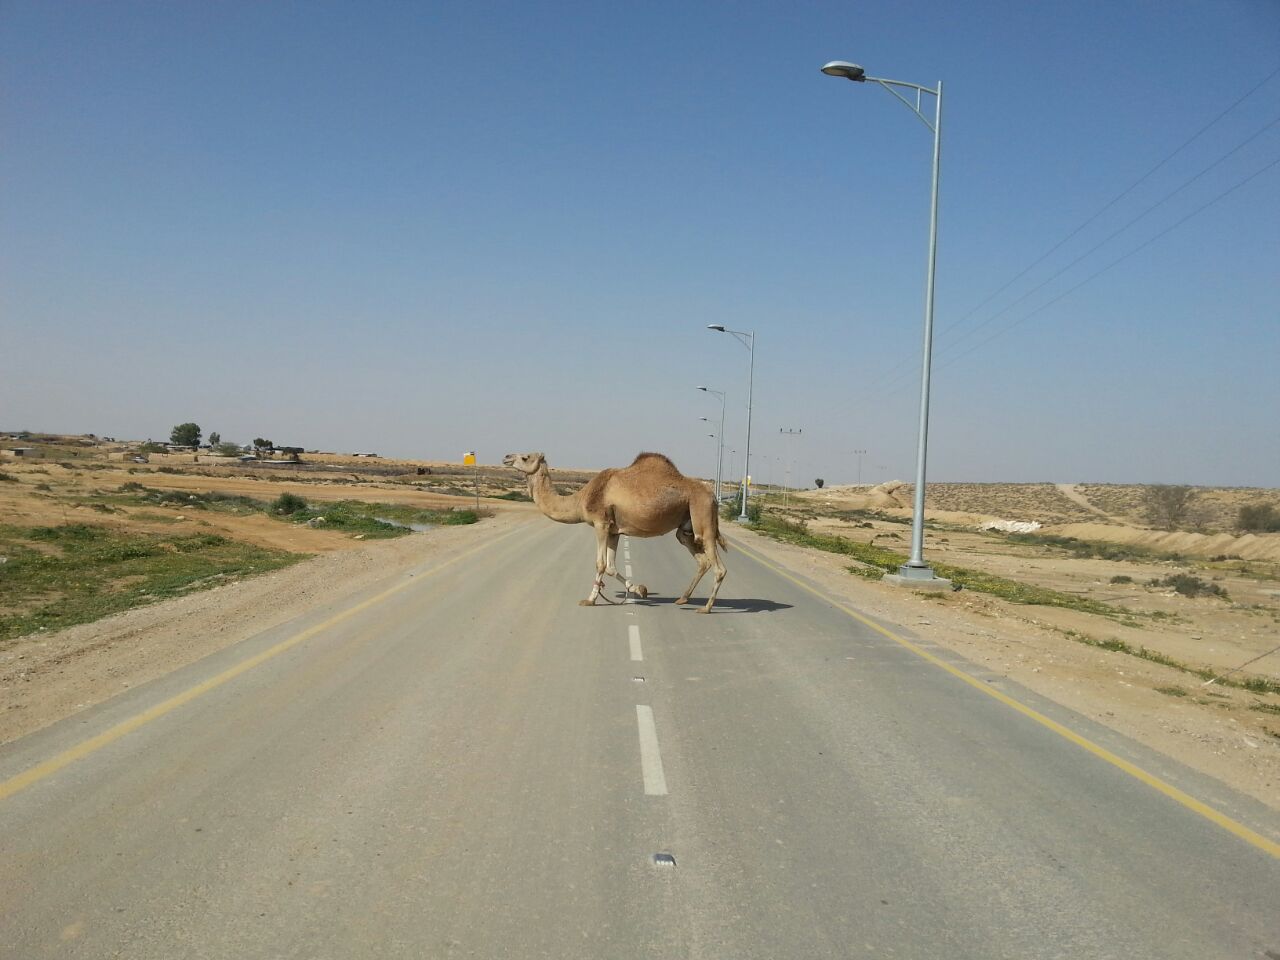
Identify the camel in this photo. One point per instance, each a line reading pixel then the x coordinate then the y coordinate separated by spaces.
pixel 649 498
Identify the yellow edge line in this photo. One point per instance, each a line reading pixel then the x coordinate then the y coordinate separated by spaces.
pixel 35 774
pixel 1188 801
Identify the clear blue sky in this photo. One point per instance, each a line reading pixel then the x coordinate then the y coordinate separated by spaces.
pixel 427 228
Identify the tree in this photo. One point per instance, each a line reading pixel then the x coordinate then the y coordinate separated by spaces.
pixel 215 438
pixel 1259 517
pixel 1168 506
pixel 186 435
pixel 260 443
pixel 228 450
pixel 819 482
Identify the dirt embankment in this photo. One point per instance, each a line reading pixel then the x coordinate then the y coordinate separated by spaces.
pixel 1066 510
pixel 1249 546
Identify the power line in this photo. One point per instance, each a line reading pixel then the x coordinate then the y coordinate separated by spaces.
pixel 895 373
pixel 1168 196
pixel 1118 260
pixel 1120 196
pixel 893 382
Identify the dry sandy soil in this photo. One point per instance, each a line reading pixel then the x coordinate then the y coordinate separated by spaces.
pixel 1228 733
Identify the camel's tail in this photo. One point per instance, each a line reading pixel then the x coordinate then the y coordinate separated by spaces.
pixel 715 520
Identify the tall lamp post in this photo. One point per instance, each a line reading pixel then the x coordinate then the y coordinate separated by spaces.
pixel 720 455
pixel 748 340
pixel 719 447
pixel 915 568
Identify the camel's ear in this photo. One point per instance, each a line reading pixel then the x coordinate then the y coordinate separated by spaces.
pixel 538 458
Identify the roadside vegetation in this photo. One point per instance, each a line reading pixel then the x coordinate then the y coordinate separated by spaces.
pixel 368 520
pixel 356 517
pixel 58 576
pixel 1252 684
pixel 876 561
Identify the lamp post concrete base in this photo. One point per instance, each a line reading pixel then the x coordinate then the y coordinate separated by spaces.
pixel 917 578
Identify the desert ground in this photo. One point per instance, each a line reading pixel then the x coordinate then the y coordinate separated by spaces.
pixel 1140 668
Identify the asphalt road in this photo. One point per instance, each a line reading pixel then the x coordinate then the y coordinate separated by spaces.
pixel 464 763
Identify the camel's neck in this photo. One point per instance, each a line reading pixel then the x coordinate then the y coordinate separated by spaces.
pixel 559 508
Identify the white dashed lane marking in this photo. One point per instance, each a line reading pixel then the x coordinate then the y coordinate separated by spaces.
pixel 655 781
pixel 633 632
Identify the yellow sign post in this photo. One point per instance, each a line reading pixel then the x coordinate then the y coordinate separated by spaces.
pixel 469 460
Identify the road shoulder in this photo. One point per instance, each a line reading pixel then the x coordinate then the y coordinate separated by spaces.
pixel 46 677
pixel 1120 692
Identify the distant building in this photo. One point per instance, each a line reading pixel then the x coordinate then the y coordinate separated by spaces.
pixel 364 455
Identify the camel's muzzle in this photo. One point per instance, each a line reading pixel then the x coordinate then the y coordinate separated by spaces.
pixel 509 460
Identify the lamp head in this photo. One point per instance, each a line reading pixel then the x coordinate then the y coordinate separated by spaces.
pixel 716 326
pixel 843 68
pixel 703 389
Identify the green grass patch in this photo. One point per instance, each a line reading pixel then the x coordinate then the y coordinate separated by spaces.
pixel 376 520
pixel 869 573
pixel 888 561
pixel 1253 684
pixel 1088 549
pixel 518 495
pixel 134 493
pixel 1172 691
pixel 77 572
pixel 373 520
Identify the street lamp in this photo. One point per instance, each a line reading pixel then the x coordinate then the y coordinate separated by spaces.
pixel 748 340
pixel 720 455
pixel 915 568
pixel 719 447
pixel 786 468
pixel 859 454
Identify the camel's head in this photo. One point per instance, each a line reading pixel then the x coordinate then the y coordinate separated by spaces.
pixel 526 463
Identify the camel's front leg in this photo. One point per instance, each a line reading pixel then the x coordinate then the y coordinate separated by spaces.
pixel 602 553
pixel 611 556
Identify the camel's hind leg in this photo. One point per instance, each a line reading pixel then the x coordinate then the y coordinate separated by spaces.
pixel 721 570
pixel 685 536
pixel 706 555
pixel 702 539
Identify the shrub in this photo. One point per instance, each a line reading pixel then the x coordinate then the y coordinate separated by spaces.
pixel 6 478
pixel 1191 586
pixel 732 509
pixel 1259 518
pixel 288 504
pixel 1122 578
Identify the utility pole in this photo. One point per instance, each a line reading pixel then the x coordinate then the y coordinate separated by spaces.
pixel 859 454
pixel 786 467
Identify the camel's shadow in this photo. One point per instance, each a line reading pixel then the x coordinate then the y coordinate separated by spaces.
pixel 727 604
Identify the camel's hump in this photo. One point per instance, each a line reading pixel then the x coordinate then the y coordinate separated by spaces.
pixel 662 457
